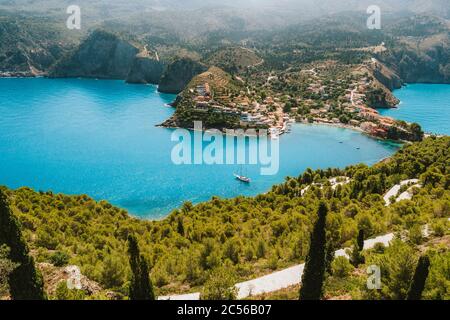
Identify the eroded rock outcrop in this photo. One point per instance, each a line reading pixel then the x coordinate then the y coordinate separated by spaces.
pixel 386 76
pixel 427 61
pixel 179 73
pixel 145 69
pixel 69 274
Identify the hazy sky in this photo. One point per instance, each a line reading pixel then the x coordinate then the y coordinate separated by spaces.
pixel 326 5
pixel 308 8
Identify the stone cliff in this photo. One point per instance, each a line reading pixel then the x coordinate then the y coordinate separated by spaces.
pixel 145 69
pixel 179 73
pixel 425 60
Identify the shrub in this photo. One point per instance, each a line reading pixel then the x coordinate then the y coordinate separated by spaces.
pixel 59 259
pixel 379 247
pixel 415 234
pixel 220 285
pixel 439 228
pixel 397 266
pixel 113 272
pixel 64 293
pixel 341 267
pixel 261 249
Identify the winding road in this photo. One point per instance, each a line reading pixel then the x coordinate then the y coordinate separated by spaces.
pixel 292 276
pixel 395 189
pixel 279 279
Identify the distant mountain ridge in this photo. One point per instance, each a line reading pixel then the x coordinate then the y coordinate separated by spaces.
pixel 188 18
pixel 225 37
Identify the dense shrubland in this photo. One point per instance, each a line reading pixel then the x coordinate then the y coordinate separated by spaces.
pixel 252 236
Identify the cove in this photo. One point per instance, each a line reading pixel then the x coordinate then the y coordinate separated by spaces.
pixel 99 137
pixel 426 104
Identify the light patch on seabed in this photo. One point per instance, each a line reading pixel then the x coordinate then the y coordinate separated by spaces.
pixel 242 147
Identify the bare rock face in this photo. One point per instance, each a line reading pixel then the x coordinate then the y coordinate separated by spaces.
pixel 427 60
pixel 71 275
pixel 179 73
pixel 145 70
pixel 388 77
pixel 101 55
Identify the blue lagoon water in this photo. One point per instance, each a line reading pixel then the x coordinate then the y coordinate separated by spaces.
pixel 100 138
pixel 426 104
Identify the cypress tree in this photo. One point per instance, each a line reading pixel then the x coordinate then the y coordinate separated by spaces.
pixel 329 257
pixel 134 256
pixel 146 284
pixel 356 257
pixel 25 281
pixel 180 226
pixel 419 279
pixel 360 240
pixel 314 272
pixel 141 287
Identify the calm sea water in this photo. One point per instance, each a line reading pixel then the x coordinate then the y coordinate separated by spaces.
pixel 99 138
pixel 426 104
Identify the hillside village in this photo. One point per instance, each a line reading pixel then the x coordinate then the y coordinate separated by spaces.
pixel 323 93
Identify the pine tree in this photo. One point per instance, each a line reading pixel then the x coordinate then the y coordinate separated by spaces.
pixel 314 272
pixel 141 287
pixel 25 281
pixel 419 279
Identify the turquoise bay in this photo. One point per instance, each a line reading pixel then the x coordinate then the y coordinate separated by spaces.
pixel 426 104
pixel 99 138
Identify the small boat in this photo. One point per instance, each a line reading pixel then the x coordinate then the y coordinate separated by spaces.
pixel 358 148
pixel 242 178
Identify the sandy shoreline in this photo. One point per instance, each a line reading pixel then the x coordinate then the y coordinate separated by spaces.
pixel 357 129
pixel 336 125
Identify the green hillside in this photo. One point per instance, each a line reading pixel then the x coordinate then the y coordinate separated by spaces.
pixel 234 59
pixel 252 236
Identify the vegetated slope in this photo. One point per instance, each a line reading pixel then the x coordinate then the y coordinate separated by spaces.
pixel 29 45
pixel 421 52
pixel 252 236
pixel 417 46
pixel 216 113
pixel 234 59
pixel 194 16
pixel 347 282
pixel 101 55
